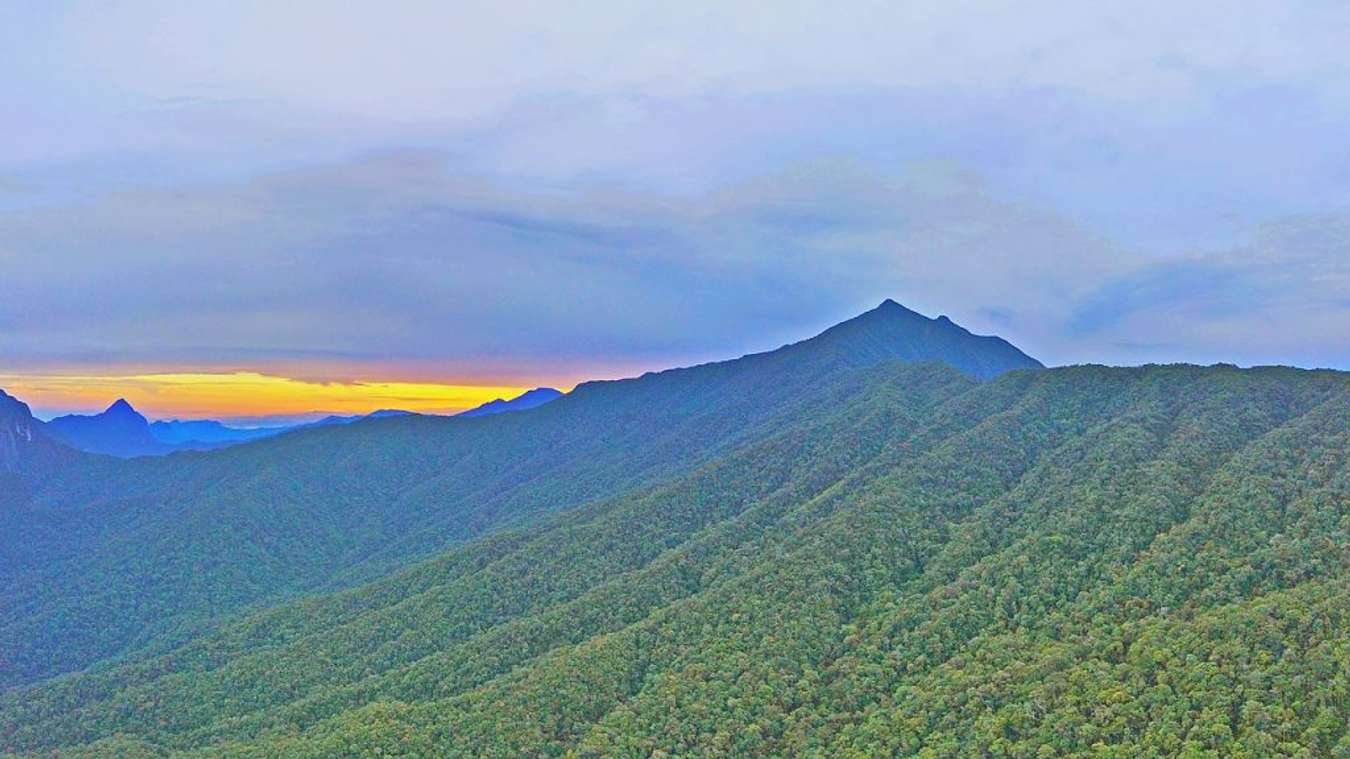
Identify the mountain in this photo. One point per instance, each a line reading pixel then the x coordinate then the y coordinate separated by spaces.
pixel 119 431
pixel 207 434
pixel 527 400
pixel 17 430
pixel 332 419
pixel 27 451
pixel 892 332
pixel 1083 561
pixel 875 542
pixel 29 457
pixel 335 505
pixel 177 433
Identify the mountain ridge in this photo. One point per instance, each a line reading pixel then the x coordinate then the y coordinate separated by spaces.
pixel 526 400
pixel 412 485
pixel 863 340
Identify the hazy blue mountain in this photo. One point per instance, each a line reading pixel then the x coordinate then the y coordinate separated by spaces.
pixel 333 419
pixel 207 434
pixel 179 432
pixel 119 431
pixel 527 400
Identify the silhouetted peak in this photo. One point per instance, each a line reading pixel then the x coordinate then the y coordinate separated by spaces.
pixel 890 306
pixel 539 392
pixel 893 332
pixel 120 431
pixel 13 409
pixel 527 400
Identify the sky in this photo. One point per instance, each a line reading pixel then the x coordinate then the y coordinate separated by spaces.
pixel 311 204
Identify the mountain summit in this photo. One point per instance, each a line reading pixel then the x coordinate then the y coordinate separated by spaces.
pixel 120 407
pixel 898 332
pixel 527 400
pixel 120 430
pixel 891 332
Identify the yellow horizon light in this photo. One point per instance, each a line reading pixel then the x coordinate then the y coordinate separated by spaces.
pixel 244 394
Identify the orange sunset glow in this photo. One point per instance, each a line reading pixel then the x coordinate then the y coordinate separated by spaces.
pixel 237 394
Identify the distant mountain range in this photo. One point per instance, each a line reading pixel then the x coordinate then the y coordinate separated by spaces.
pixel 124 432
pixel 206 431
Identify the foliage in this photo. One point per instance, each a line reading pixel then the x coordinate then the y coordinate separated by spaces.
pixel 1071 562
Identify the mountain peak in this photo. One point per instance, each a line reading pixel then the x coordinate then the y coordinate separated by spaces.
pixel 893 306
pixel 526 400
pixel 893 332
pixel 120 430
pixel 122 412
pixel 13 409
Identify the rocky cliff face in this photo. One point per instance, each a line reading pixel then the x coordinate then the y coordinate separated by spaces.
pixel 18 430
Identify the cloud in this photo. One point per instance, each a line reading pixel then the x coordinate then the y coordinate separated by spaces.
pixel 430 60
pixel 1285 297
pixel 1200 285
pixel 1160 125
pixel 395 257
pixel 558 191
pixel 395 261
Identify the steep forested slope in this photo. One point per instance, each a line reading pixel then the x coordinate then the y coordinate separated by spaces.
pixel 108 557
pixel 1081 561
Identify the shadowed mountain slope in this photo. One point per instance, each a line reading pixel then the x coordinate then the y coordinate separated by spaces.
pixel 112 557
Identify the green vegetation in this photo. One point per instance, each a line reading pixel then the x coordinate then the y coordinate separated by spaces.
pixel 865 559
pixel 108 558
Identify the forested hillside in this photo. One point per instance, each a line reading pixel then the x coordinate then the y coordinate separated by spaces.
pixel 107 557
pixel 1085 561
